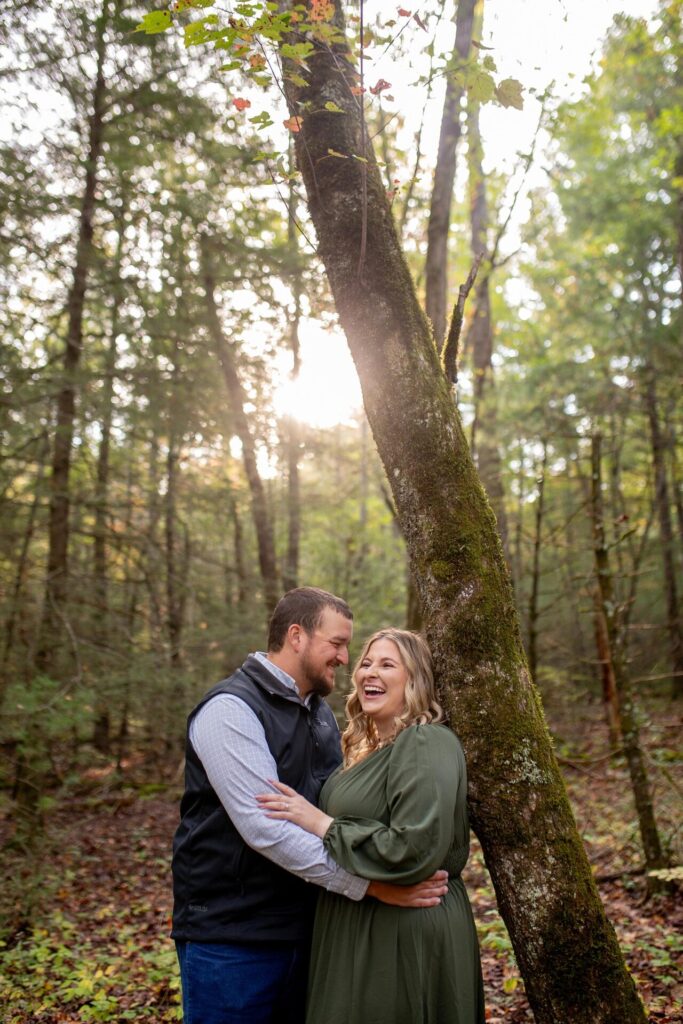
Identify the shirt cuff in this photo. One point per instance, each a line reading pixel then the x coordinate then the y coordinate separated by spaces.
pixel 351 886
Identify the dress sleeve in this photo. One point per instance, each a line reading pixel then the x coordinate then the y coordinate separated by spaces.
pixel 425 779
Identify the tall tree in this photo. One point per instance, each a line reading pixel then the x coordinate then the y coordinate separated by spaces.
pixel 566 949
pixel 52 628
pixel 438 230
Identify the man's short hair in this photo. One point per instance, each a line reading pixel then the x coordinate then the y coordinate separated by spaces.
pixel 303 606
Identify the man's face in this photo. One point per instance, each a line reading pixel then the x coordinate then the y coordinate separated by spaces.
pixel 321 653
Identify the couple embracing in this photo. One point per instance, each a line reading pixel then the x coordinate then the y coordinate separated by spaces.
pixel 317 880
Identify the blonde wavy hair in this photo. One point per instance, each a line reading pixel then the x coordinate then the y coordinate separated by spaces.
pixel 360 737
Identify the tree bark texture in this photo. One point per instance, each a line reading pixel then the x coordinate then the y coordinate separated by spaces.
pixel 666 534
pixel 259 503
pixel 610 699
pixel 480 339
pixel 532 646
pixel 615 654
pixel 56 588
pixel 101 623
pixel 436 276
pixel 566 950
pixel 20 573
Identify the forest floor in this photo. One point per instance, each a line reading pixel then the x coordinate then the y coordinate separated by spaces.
pixel 88 913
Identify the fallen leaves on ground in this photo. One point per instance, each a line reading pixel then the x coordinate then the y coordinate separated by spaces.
pixel 98 948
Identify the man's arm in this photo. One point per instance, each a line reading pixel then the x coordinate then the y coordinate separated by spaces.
pixel 231 744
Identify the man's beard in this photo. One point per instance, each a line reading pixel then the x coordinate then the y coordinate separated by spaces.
pixel 313 680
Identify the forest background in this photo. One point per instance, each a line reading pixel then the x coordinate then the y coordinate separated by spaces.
pixel 182 438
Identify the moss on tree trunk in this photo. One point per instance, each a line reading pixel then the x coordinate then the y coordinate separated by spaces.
pixel 566 950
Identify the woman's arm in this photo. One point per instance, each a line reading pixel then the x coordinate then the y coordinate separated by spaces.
pixel 425 784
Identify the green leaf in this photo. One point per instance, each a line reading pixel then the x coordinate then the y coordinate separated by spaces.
pixel 297 80
pixel 262 120
pixel 509 93
pixel 333 108
pixel 296 51
pixel 480 85
pixel 200 31
pixel 155 21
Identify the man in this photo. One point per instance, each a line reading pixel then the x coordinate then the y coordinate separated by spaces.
pixel 243 907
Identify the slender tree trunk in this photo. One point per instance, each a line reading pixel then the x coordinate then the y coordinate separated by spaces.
pixel 518 558
pixel 610 698
pixel 290 574
pixel 174 624
pixel 262 521
pixel 615 655
pixel 666 534
pixel 20 573
pixel 240 570
pixel 480 339
pixel 56 590
pixel 436 292
pixel 676 484
pixel 536 567
pixel 566 949
pixel 101 623
pixel 152 561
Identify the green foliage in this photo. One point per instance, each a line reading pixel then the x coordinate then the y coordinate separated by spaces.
pixel 58 968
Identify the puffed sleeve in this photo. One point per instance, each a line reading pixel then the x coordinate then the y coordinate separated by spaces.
pixel 425 782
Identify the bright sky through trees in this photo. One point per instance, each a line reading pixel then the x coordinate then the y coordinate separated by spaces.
pixel 538 42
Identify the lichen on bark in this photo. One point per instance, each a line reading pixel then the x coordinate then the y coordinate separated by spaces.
pixel 567 951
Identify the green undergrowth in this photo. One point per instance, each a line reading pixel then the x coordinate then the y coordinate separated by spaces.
pixel 55 967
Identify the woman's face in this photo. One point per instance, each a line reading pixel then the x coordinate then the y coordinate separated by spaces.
pixel 381 685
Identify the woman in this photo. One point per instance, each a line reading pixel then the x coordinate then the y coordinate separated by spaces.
pixel 394 812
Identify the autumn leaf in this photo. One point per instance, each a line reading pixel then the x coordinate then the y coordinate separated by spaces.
pixel 509 93
pixel 257 61
pixel 241 104
pixel 321 10
pixel 420 22
pixel 403 13
pixel 380 86
pixel 293 124
pixel 357 91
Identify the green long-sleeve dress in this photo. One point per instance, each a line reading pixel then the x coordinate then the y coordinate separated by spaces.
pixel 399 815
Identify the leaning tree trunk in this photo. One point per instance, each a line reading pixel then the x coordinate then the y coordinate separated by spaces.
pixel 566 949
pixel 51 629
pixel 262 522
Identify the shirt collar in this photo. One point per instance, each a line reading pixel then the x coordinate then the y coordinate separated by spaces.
pixel 279 673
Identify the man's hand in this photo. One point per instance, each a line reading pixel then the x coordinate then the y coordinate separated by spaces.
pixel 423 894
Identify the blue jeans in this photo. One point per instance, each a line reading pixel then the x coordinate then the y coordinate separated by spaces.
pixel 230 983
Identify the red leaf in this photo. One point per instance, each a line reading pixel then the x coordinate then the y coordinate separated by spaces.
pixel 241 104
pixel 293 124
pixel 420 22
pixel 403 13
pixel 381 85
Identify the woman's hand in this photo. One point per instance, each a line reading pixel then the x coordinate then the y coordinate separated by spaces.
pixel 288 805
